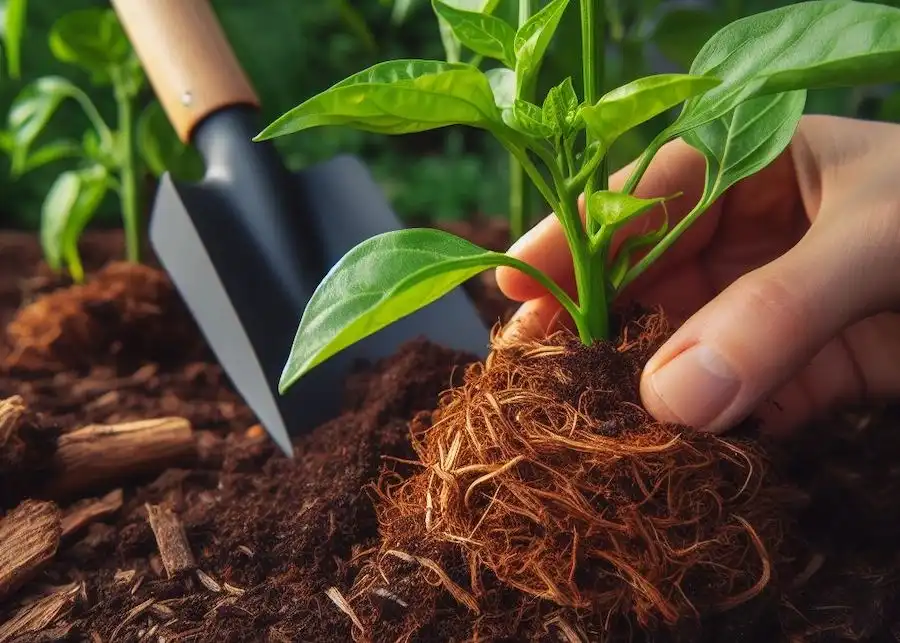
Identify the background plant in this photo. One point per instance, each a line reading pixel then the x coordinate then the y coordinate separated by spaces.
pixel 105 157
pixel 740 104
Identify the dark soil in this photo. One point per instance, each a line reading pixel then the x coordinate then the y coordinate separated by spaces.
pixel 280 543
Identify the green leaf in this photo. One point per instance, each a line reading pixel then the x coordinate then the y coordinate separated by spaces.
pixel 615 208
pixel 378 282
pixel 526 118
pixel 808 45
pixel 161 148
pixel 91 38
pixel 30 112
pixel 532 40
pixel 746 140
pixel 45 154
pixel 397 97
pixel 560 107
pixel 484 34
pixel 71 202
pixel 13 31
pixel 630 105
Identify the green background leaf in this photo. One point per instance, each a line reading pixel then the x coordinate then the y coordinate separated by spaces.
pixel 92 39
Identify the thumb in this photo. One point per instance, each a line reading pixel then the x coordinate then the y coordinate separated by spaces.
pixel 748 342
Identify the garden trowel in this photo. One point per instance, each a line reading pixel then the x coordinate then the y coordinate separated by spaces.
pixel 247 245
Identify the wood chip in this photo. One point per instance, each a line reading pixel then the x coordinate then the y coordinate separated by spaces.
pixel 101 454
pixel 132 614
pixel 171 540
pixel 11 411
pixel 41 614
pixel 208 581
pixel 29 538
pixel 84 513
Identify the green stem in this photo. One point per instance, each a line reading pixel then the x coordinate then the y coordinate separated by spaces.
pixel 647 260
pixel 592 322
pixel 519 205
pixel 644 162
pixel 128 188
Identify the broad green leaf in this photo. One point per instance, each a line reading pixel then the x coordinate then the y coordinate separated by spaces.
pixel 30 112
pixel 45 154
pixel 90 38
pixel 615 208
pixel 532 40
pixel 560 107
pixel 378 282
pixel 747 139
pixel 13 29
pixel 161 148
pixel 808 45
pixel 484 34
pixel 397 97
pixel 630 105
pixel 526 118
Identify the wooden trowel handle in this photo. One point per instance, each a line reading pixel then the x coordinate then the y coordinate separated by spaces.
pixel 188 59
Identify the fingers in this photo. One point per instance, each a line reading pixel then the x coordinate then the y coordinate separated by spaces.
pixel 676 168
pixel 745 345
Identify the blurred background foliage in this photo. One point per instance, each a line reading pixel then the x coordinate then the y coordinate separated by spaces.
pixel 293 49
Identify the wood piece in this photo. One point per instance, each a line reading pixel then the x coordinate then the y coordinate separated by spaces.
pixel 29 538
pixel 11 411
pixel 107 454
pixel 189 62
pixel 171 540
pixel 41 614
pixel 84 513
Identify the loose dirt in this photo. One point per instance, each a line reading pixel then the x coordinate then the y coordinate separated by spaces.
pixel 286 550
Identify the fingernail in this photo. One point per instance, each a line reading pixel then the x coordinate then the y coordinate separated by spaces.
pixel 695 387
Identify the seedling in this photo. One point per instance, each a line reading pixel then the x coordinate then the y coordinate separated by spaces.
pixel 741 102
pixel 107 157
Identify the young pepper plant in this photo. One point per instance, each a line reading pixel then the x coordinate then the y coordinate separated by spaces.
pixel 740 103
pixel 106 156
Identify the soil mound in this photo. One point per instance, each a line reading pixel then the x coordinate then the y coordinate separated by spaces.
pixel 123 310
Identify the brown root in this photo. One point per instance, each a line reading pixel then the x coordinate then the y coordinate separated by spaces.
pixel 543 471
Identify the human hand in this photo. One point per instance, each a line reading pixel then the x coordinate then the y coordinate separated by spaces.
pixel 786 283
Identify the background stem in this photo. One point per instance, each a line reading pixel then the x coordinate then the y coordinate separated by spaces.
pixel 128 181
pixel 593 53
pixel 519 194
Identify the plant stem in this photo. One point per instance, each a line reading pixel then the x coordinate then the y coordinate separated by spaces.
pixel 519 201
pixel 590 264
pixel 128 182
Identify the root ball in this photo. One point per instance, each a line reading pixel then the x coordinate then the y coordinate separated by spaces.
pixel 543 471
